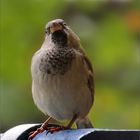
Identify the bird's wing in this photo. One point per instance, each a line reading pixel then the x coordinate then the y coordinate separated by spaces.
pixel 88 65
pixel 90 78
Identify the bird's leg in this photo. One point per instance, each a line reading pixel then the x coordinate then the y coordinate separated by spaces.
pixel 72 121
pixel 45 124
pixel 39 130
pixel 56 129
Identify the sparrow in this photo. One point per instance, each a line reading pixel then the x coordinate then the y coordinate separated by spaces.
pixel 62 78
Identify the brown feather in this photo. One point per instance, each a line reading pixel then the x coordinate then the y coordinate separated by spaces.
pixel 90 79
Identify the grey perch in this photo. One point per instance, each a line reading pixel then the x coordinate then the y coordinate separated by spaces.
pixel 21 133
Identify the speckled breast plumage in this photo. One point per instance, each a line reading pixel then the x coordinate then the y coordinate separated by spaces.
pixel 57 61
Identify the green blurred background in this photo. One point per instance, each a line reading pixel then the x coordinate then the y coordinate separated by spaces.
pixel 109 32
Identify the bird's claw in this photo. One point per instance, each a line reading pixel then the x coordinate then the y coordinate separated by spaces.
pixel 49 130
pixel 56 129
pixel 34 133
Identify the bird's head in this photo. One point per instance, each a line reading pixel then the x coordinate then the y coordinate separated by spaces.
pixel 60 34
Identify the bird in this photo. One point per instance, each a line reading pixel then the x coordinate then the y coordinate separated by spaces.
pixel 62 78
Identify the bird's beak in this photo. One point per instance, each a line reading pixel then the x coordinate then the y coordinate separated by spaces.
pixel 55 27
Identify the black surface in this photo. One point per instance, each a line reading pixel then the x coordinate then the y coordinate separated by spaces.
pixel 113 135
pixel 95 135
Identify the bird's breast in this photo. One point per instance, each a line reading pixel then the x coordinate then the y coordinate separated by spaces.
pixel 56 61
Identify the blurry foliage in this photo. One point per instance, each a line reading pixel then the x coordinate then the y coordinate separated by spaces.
pixel 108 35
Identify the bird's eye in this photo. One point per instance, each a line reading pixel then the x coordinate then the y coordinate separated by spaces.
pixel 64 24
pixel 47 31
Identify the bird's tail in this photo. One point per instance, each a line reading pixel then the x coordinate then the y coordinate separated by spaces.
pixel 84 123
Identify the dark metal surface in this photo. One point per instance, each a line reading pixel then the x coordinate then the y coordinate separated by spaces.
pixel 21 132
pixel 113 135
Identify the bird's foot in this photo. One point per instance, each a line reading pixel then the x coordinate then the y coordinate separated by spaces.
pixel 48 129
pixel 34 133
pixel 56 129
